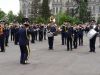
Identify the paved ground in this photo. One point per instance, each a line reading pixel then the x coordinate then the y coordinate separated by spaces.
pixel 57 62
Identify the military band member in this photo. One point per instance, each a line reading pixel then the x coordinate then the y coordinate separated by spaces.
pixel 16 36
pixel 44 32
pixel 99 34
pixel 63 34
pixel 92 41
pixel 7 31
pixel 80 35
pixel 32 34
pixel 12 28
pixel 51 30
pixel 40 33
pixel 2 38
pixel 69 37
pixel 75 37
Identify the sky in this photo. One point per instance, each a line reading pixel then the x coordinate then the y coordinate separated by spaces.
pixel 7 5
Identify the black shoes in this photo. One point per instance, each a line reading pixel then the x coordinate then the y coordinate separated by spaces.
pixel 92 51
pixel 24 63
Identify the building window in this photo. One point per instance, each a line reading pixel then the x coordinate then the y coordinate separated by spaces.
pixel 99 9
pixel 56 9
pixel 93 9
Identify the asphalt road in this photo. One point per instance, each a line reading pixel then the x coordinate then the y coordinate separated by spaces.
pixel 48 62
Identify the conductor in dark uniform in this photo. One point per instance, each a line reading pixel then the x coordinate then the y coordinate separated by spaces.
pixel 24 43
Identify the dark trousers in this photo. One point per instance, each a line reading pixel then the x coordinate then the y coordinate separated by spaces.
pixel 80 40
pixel 36 33
pixel 63 37
pixel 16 40
pixel 24 53
pixel 33 38
pixel 69 43
pixel 40 36
pixel 75 42
pixel 6 40
pixel 92 44
pixel 50 42
pixel 2 44
pixel 12 36
pixel 44 35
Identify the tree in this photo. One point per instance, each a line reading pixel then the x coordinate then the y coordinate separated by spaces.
pixel 83 11
pixel 2 14
pixel 45 11
pixel 20 17
pixel 35 8
pixel 62 17
pixel 84 14
pixel 11 17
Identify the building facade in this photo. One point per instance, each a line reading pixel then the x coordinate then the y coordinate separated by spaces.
pixel 93 6
pixel 25 7
pixel 57 6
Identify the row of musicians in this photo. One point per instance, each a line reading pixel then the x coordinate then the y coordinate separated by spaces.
pixel 37 33
pixel 70 36
pixel 6 31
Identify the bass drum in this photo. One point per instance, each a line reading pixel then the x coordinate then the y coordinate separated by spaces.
pixel 91 33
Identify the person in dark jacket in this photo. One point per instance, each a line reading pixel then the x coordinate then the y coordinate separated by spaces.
pixel 7 30
pixel 69 38
pixel 50 34
pixel 32 30
pixel 2 38
pixel 16 36
pixel 75 37
pixel 12 32
pixel 24 44
pixel 63 34
pixel 41 33
pixel 80 36
pixel 92 41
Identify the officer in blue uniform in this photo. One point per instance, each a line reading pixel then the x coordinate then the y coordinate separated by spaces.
pixel 24 43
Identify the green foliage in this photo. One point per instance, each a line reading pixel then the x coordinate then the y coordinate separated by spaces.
pixel 41 20
pixel 35 8
pixel 2 14
pixel 20 17
pixel 84 14
pixel 11 17
pixel 62 17
pixel 45 11
pixel 98 20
